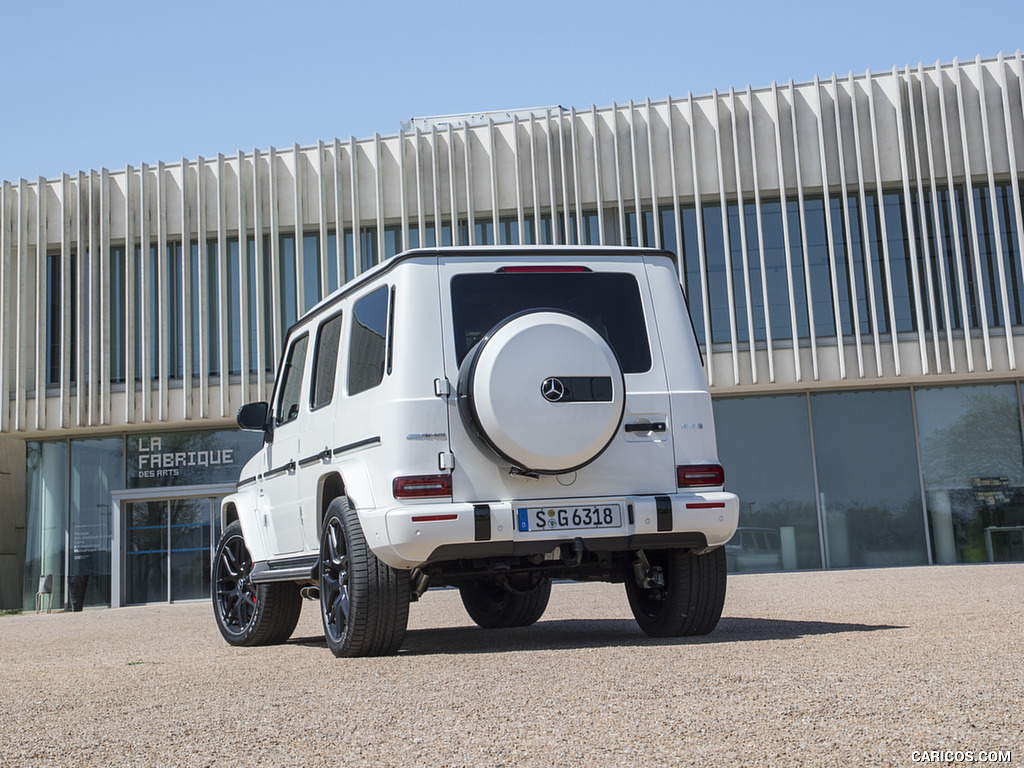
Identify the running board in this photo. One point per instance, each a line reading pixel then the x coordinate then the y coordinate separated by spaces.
pixel 291 569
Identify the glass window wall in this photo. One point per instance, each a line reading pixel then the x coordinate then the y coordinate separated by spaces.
pixel 234 311
pixel 147 270
pixel 764 443
pixel 689 264
pixel 97 469
pixel 54 307
pixel 863 268
pixel 868 480
pixel 973 467
pixel 46 478
pixel 175 312
pixel 260 290
pixel 70 520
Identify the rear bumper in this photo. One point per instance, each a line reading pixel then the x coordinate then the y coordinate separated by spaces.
pixel 413 534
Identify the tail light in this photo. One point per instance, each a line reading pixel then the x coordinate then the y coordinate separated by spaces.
pixel 541 268
pixel 700 475
pixel 422 486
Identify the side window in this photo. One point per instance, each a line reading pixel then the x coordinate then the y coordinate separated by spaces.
pixel 325 363
pixel 291 380
pixel 368 342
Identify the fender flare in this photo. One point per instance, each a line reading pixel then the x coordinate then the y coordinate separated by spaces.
pixel 242 505
pixel 357 483
pixel 359 490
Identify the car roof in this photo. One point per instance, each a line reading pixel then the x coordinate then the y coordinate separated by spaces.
pixel 478 251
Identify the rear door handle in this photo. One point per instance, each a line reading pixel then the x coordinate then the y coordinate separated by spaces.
pixel 646 426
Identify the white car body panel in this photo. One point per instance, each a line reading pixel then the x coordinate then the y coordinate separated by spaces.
pixel 404 427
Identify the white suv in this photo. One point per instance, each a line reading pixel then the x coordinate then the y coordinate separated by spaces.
pixel 488 419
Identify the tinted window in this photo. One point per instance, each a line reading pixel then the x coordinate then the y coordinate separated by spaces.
pixel 367 346
pixel 291 380
pixel 326 361
pixel 608 302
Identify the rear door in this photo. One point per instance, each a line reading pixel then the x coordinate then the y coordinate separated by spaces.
pixel 609 294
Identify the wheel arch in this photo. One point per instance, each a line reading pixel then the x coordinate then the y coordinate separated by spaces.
pixel 331 487
pixel 242 507
pixel 351 479
pixel 228 514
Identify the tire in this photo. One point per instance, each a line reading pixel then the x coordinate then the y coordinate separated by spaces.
pixel 544 391
pixel 250 614
pixel 364 603
pixel 492 606
pixel 690 603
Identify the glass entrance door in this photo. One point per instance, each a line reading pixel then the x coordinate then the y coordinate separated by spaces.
pixel 168 546
pixel 146 551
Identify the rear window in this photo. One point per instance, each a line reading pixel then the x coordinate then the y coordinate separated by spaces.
pixel 610 302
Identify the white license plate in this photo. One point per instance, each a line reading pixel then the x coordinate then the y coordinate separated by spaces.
pixel 568 518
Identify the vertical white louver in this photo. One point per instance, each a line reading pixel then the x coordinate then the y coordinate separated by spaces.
pixel 166 331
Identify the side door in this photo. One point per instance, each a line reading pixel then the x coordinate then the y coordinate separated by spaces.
pixel 280 478
pixel 317 425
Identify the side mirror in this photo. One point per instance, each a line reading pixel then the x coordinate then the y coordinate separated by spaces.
pixel 252 417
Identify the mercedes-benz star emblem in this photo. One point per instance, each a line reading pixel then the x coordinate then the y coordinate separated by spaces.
pixel 552 389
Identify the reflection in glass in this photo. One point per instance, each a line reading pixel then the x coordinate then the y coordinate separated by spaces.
pixel 147 273
pixel 175 309
pixel 992 247
pixel 213 308
pixel 508 231
pixel 46 492
pixel 259 291
pixel 764 443
pixel 145 565
pixel 689 262
pixel 233 310
pixel 430 238
pixel 779 273
pixel 190 548
pixel 367 247
pixel 392 241
pixel 97 470
pixel 819 268
pixel 868 481
pixel 632 232
pixel 719 278
pixel 973 472
pixel 367 343
pixel 289 290
pixel 118 303
pixel 310 271
pixel 168 548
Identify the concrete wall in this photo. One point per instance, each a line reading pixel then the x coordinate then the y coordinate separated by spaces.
pixel 12 522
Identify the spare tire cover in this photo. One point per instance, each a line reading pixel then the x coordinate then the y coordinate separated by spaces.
pixel 544 390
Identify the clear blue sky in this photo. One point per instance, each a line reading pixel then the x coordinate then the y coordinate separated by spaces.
pixel 91 84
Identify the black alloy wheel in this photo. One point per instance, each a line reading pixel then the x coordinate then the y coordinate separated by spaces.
pixel 248 613
pixel 335 597
pixel 364 603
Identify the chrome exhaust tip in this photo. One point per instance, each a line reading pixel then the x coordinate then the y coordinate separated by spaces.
pixel 310 593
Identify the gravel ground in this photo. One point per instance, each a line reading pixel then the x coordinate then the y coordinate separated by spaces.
pixel 818 669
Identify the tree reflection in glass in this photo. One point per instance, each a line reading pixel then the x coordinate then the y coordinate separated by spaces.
pixel 973 467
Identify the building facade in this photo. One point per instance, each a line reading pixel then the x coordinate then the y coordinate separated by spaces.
pixel 850 249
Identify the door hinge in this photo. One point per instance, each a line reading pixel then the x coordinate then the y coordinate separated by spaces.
pixel 442 387
pixel 446 461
